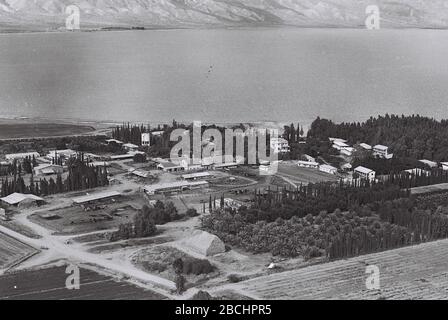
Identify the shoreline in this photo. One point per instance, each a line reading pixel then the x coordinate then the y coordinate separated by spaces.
pixel 212 27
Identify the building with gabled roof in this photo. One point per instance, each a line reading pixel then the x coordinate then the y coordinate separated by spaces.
pixel 365 173
pixel 16 199
pixel 204 243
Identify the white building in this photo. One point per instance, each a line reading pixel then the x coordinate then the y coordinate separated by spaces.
pixel 347 151
pixel 418 172
pixel 146 139
pixel 339 145
pixel 429 163
pixel 365 173
pixel 365 146
pixel 169 166
pixel 20 156
pixel 48 169
pixel 382 151
pixel 328 169
pixel 279 145
pixel 337 139
pixel 308 164
pixel 444 165
pixel 66 154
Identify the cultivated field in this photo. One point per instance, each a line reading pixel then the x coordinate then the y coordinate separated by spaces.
pixel 12 251
pixel 49 284
pixel 418 272
pixel 431 188
pixel 40 130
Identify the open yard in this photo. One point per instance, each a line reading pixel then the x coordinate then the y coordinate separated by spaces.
pixel 417 272
pixel 49 284
pixel 13 251
pixel 305 175
pixel 74 219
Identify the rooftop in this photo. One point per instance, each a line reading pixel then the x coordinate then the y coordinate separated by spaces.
pixel 363 170
pixel 16 198
pixel 173 185
pixel 380 147
pixel 196 175
pixel 95 196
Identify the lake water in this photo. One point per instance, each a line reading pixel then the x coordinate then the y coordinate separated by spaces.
pixel 224 75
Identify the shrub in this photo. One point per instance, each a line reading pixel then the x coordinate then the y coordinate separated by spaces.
pixel 234 278
pixel 197 266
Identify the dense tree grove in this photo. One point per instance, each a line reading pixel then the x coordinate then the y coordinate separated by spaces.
pixel 161 145
pixel 145 220
pixel 80 176
pixel 44 145
pixel 413 136
pixel 18 167
pixel 314 198
pixel 365 218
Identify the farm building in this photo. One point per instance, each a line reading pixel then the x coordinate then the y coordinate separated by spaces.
pixel 308 164
pixel 140 173
pixel 122 157
pixel 130 146
pixel 22 200
pixel 47 169
pixel 365 173
pixel 20 156
pixel 429 163
pixel 204 243
pixel 169 167
pixel 196 176
pixel 218 166
pixel 328 169
pixel 174 186
pixel 95 197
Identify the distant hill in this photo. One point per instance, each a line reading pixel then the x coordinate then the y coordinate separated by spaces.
pixel 32 15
